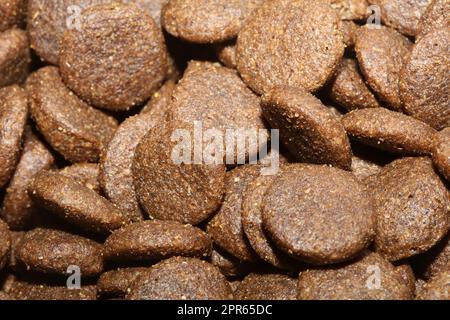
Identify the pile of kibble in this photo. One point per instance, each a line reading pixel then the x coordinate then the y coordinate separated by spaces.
pixel 99 200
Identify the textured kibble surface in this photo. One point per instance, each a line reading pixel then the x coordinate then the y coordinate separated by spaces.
pixel 86 174
pixel 181 279
pixel 5 243
pixel 441 152
pixel 350 9
pixel 436 16
pixel 267 287
pixel 14 57
pixel 116 283
pixel 318 214
pixel 12 13
pixel 437 288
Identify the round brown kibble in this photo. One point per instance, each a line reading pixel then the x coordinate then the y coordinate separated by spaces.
pixel 318 214
pixel 116 283
pixel 226 53
pixel 437 288
pixel 402 15
pixel 18 210
pixel 436 16
pixel 116 175
pixel 73 128
pixel 363 168
pixel 181 279
pixel 14 57
pixel 354 281
pixel 12 13
pixel 267 287
pixel 206 21
pixel 157 240
pixel 290 43
pixel 441 153
pixel 85 173
pixel 308 129
pixel 412 206
pixel 252 224
pixel 114 73
pixel 13 118
pixel 349 89
pixel 228 265
pixel 226 227
pixel 5 243
pixel 406 273
pixel 350 9
pixel 52 252
pixel 381 55
pixel 389 130
pixel 75 203
pixel 424 85
pixel 32 290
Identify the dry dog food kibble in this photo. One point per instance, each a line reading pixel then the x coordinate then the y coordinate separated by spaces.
pixel 12 13
pixel 5 243
pixel 435 16
pixel 85 173
pixel 228 265
pixel 441 153
pixel 116 283
pixel 14 57
pixel 350 9
pixel 226 53
pixel 266 287
pixel 437 288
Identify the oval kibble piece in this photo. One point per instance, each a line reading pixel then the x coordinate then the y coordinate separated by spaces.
pixel 267 287
pixel 424 85
pixel 412 206
pixel 13 118
pixel 5 243
pixel 226 53
pixel 437 288
pixel 85 173
pixel 318 214
pixel 228 265
pixel 75 203
pixel 116 283
pixel 181 278
pixel 352 282
pixel 441 153
pixel 159 103
pixel 15 57
pixel 310 131
pixel 169 191
pixel 350 9
pixel 52 252
pixel 116 164
pixel 252 224
pixel 73 128
pixel 436 16
pixel 226 227
pixel 302 39
pixel 12 13
pixel 114 73
pixel 349 89
pixel 18 210
pixel 389 130
pixel 381 55
pixel 206 21
pixel 403 15
pixel 157 240
pixel 31 290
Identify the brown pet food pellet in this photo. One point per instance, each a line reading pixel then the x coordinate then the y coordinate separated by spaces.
pixel 154 7
pixel 412 205
pixel 424 85
pixel 85 173
pixel 438 258
pixel 116 164
pixel 290 43
pixel 114 73
pixel 13 118
pixel 12 13
pixel 226 53
pixel 406 273
pixel 349 90
pixel 28 290
pixel 181 278
pixel 206 21
pixel 75 203
pixel 14 57
pixel 353 282
pixel 167 191
pixel 18 210
pixel 228 265
pixel 441 153
pixel 436 16
pixel 159 103
pixel 226 227
pixel 267 287
pixel 349 30
pixel 5 243
pixel 73 128
pixel 438 288
pixel 308 129
pixel 363 168
pixel 52 252
pixel 252 224
pixel 381 54
pixel 116 283
pixel 318 214
pixel 157 240
pixel 389 130
pixel 403 15
pixel 16 238
pixel 351 9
